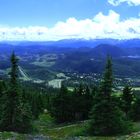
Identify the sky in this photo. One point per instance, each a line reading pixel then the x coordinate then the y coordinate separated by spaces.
pixel 45 20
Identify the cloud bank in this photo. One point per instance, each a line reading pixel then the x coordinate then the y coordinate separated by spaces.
pixel 100 26
pixel 129 2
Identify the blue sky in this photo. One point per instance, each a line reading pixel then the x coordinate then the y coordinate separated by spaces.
pixel 37 19
pixel 48 12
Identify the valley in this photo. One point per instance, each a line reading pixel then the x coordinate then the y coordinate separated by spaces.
pixel 43 70
pixel 42 62
pixel 69 69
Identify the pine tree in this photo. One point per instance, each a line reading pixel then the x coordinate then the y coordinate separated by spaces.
pixel 2 87
pixel 127 99
pixel 11 118
pixel 106 117
pixel 78 102
pixel 60 106
pixel 13 107
pixel 14 71
pixel 36 104
pixel 26 114
pixel 107 82
pixel 2 92
pixel 87 102
pixel 134 113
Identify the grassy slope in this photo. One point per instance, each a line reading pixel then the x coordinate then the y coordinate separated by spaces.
pixel 46 127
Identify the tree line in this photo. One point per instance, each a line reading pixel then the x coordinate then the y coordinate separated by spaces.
pixel 108 113
pixel 19 105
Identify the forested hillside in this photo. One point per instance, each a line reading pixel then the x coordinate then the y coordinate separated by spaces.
pixel 103 110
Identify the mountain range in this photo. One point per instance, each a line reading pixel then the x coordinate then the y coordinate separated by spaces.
pixel 83 56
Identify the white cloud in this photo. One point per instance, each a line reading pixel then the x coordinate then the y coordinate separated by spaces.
pixel 129 2
pixel 101 26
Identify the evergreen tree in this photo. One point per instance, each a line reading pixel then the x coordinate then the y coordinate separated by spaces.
pixel 71 106
pixel 2 92
pixel 60 103
pixel 14 71
pixel 26 113
pixel 78 102
pixel 13 107
pixel 87 102
pixel 11 118
pixel 127 99
pixel 135 109
pixel 36 104
pixel 106 117
pixel 2 87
